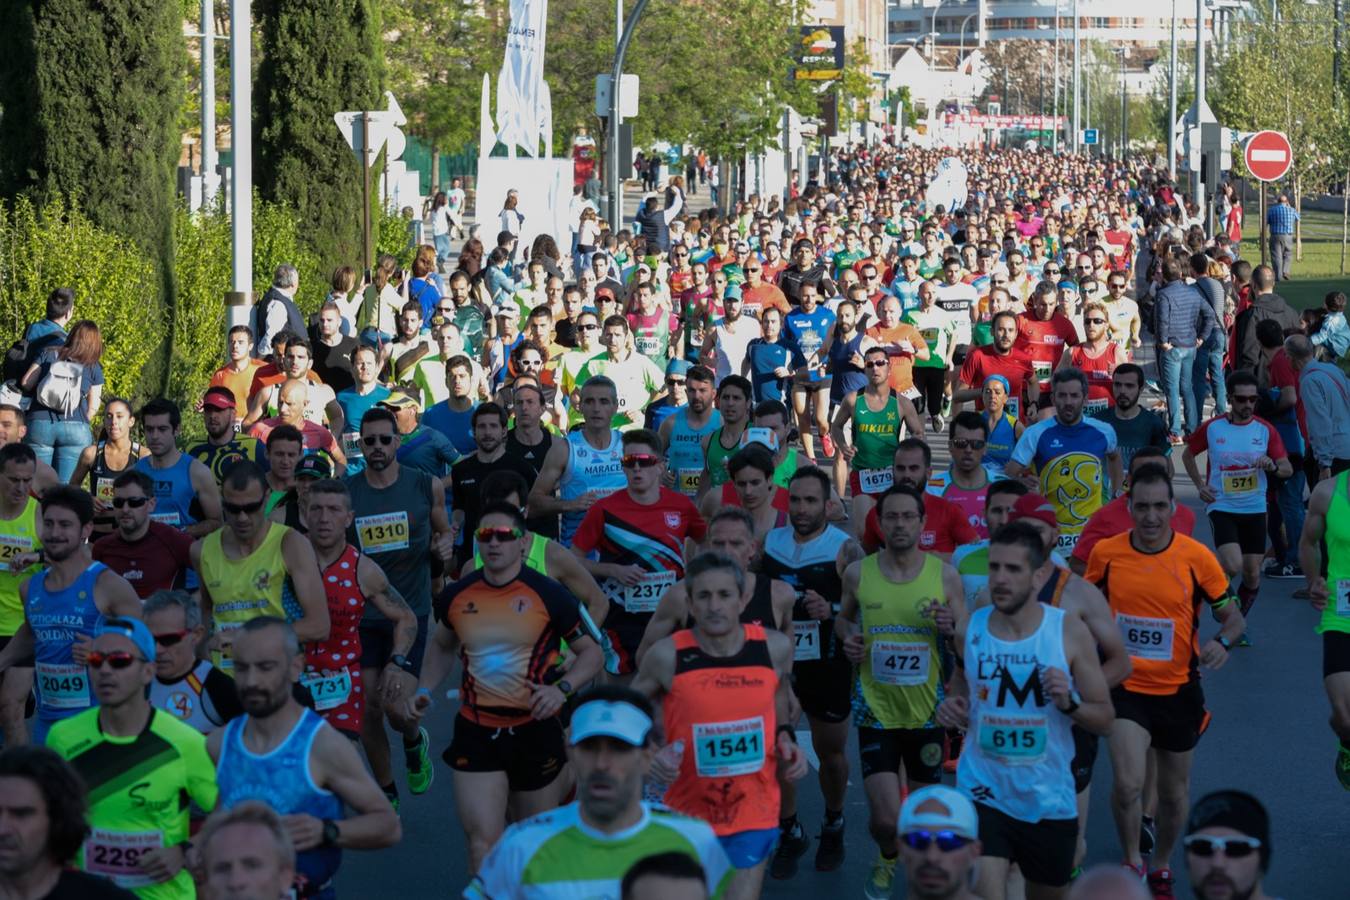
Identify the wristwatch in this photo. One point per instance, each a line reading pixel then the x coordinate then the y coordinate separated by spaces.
pixel 402 662
pixel 1223 642
pixel 1075 700
pixel 330 833
pixel 565 686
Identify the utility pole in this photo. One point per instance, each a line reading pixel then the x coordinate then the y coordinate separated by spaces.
pixel 1077 81
pixel 1197 185
pixel 240 298
pixel 1172 103
pixel 1054 146
pixel 1124 109
pixel 210 180
pixel 616 76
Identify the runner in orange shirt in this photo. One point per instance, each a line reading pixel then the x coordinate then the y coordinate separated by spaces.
pixel 903 344
pixel 1156 581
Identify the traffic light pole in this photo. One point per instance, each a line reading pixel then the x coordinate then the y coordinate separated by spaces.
pixel 615 76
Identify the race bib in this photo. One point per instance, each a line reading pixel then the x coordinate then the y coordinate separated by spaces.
pixel 117 855
pixel 806 638
pixel 63 685
pixel 1095 406
pixel 929 334
pixel 1146 638
pixel 722 749
pixel 103 490
pixel 1343 596
pixel 383 533
pixel 1041 370
pixel 168 518
pixel 1013 739
pixel 904 664
pixel 1239 481
pixel 642 598
pixel 686 481
pixel 351 445
pixel 329 689
pixel 876 481
pixel 1013 406
pixel 12 545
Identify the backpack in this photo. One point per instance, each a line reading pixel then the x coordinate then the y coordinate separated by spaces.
pixel 23 352
pixel 61 389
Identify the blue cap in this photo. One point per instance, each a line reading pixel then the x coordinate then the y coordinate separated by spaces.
pixel 134 630
pixel 1067 285
pixel 733 292
pixel 678 367
pixel 1007 388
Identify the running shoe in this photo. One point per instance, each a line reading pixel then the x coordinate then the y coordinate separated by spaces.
pixel 1148 836
pixel 830 852
pixel 1343 766
pixel 1286 571
pixel 1160 884
pixel 791 845
pixel 1244 641
pixel 937 422
pixel 946 405
pixel 879 883
pixel 1137 871
pixel 827 446
pixel 420 770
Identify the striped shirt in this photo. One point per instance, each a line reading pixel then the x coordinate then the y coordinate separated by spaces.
pixel 1281 218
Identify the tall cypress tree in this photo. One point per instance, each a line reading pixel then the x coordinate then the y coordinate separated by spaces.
pixel 90 91
pixel 319 57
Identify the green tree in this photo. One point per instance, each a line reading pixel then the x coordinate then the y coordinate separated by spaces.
pixel 319 57
pixel 90 93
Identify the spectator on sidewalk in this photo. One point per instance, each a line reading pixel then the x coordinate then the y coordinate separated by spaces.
pixel 1324 390
pixel 276 311
pixel 1266 304
pixel 1281 218
pixel 1183 320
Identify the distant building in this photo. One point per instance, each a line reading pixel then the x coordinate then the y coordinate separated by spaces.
pixel 1141 23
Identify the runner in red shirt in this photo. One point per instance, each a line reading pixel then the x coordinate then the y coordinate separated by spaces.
pixel 1000 358
pixel 151 556
pixel 1043 332
pixel 945 525
pixel 1097 357
pixel 1114 517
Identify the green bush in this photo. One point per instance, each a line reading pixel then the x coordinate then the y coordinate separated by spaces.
pixel 115 284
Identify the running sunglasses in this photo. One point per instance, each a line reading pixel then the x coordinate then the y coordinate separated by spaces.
pixel 1095 321
pixel 1205 846
pixel 384 440
pixel 947 841
pixel 968 444
pixel 640 460
pixel 235 509
pixel 171 638
pixel 133 502
pixel 118 659
pixel 500 535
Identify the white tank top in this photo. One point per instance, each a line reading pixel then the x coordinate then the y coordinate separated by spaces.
pixel 1019 748
pixel 589 469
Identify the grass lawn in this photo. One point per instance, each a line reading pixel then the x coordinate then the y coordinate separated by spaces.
pixel 1318 272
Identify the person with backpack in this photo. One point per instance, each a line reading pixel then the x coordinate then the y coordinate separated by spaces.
pixel 276 311
pixel 66 383
pixel 40 335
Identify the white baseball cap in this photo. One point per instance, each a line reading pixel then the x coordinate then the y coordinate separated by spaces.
pixel 610 718
pixel 939 808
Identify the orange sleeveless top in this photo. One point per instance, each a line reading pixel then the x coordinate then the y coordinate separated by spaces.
pixel 723 710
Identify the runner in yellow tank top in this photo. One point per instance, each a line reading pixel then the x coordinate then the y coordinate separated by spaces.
pixel 19 544
pixel 251 567
pixel 889 630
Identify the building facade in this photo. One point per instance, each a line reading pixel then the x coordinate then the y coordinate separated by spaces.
pixel 1142 23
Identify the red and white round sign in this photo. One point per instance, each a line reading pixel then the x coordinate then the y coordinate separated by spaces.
pixel 1268 155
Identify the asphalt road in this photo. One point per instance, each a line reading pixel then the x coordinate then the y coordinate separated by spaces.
pixel 1269 736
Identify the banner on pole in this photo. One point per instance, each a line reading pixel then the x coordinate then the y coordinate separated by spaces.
pixel 521 95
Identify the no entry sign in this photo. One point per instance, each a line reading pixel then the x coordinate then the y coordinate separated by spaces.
pixel 1268 155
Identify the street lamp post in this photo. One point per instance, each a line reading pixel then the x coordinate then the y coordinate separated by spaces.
pixel 239 299
pixel 960 54
pixel 1054 142
pixel 1077 81
pixel 1172 103
pixel 1124 107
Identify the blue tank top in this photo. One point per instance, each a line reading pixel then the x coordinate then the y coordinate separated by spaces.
pixel 847 377
pixel 173 491
pixel 684 456
pixel 589 469
pixel 58 619
pixel 282 780
pixel 999 446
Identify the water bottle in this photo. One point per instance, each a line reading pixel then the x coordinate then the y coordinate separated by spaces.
pixel 654 791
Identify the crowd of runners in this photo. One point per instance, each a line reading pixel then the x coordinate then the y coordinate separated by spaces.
pixel 648 510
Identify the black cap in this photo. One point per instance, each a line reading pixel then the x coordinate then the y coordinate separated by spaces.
pixel 1237 810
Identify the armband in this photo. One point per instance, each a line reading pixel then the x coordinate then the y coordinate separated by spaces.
pixel 1222 602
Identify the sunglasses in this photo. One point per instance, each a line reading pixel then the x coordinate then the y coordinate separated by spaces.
pixel 384 440
pixel 133 502
pixel 947 841
pixel 878 363
pixel 1204 846
pixel 235 509
pixel 674 381
pixel 588 328
pixel 751 271
pixel 640 460
pixel 1095 321
pixel 968 444
pixel 500 535
pixel 1116 284
pixel 171 638
pixel 1050 271
pixel 1237 399
pixel 118 659
pixel 446 310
